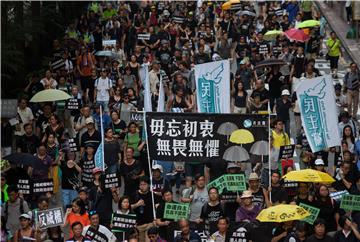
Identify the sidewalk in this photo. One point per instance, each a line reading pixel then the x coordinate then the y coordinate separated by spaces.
pixel 340 26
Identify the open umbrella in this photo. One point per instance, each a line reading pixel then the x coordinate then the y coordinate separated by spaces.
pixel 26 160
pixel 49 95
pixel 236 153
pixel 297 35
pixel 270 62
pixel 272 34
pixel 261 148
pixel 282 213
pixel 105 53
pixel 231 5
pixel 308 24
pixel 246 12
pixel 226 129
pixel 309 175
pixel 241 136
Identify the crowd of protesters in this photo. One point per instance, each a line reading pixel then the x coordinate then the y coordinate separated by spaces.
pixel 179 36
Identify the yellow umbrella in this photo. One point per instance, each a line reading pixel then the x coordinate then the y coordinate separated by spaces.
pixel 309 175
pixel 308 24
pixel 241 136
pixel 272 34
pixel 282 213
pixel 227 5
pixel 49 95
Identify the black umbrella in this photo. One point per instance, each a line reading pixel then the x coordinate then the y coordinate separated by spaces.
pixel 26 159
pixel 270 62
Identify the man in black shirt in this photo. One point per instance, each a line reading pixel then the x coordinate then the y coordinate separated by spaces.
pixel 211 212
pixel 278 193
pixel 282 107
pixel 201 57
pixel 144 208
pixel 166 226
pixel 319 232
pixel 91 136
pixel 261 91
pixel 29 142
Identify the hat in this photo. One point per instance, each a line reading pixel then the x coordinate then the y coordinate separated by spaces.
pixel 89 145
pixel 83 189
pixel 319 162
pixel 96 170
pixel 191 13
pixel 164 42
pixel 246 194
pixel 153 6
pixel 285 92
pixel 89 120
pixel 166 12
pixel 157 167
pixel 155 62
pixel 232 165
pixel 25 216
pixel 338 86
pixel 253 176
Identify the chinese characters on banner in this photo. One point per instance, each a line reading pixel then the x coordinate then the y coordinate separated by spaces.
pixel 286 152
pixel 24 186
pixel 198 137
pixel 28 186
pixel 176 211
pixel 233 183
pixel 213 87
pixel 123 222
pixel 350 202
pixel 314 213
pixel 111 180
pixel 50 218
pixel 95 235
pixel 318 112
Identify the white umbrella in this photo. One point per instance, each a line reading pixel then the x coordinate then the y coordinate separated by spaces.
pixel 260 148
pixel 226 129
pixel 236 153
pixel 246 12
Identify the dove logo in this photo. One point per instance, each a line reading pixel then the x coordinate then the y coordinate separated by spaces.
pixel 213 83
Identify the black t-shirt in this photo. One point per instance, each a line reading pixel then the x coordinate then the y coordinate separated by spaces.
pixel 164 231
pixel 275 85
pixel 312 238
pixel 340 237
pixel 117 128
pixel 69 176
pixel 74 105
pixel 160 185
pixel 210 215
pixel 87 165
pixel 242 50
pixel 264 94
pixel 28 144
pixel 327 212
pixel 102 204
pixel 258 198
pixel 230 204
pixel 42 122
pixel 127 171
pixel 111 152
pixel 144 214
pixel 314 44
pixel 299 65
pixel 202 58
pixel 93 139
pixel 263 48
pixel 282 109
pixel 278 195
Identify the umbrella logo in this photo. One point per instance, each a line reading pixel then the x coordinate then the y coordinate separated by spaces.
pixel 247 123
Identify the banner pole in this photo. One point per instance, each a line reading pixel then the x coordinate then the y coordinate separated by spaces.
pixel 269 158
pixel 102 138
pixel 150 170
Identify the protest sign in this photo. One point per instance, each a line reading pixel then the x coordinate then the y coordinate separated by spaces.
pixel 176 211
pixel 350 202
pixel 319 112
pixel 314 213
pixel 95 235
pixel 239 232
pixel 213 87
pixel 8 108
pixel 123 222
pixel 24 186
pixel 195 137
pixel 86 174
pixel 143 36
pixel 337 196
pixel 111 180
pixel 286 152
pixel 43 186
pixel 235 182
pixel 109 43
pixel 218 183
pixel 49 218
pixel 73 104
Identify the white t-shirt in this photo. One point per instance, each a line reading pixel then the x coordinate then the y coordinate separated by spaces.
pixel 103 86
pixel 26 116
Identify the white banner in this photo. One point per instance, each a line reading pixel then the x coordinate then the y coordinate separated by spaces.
pixel 144 74
pixel 161 99
pixel 318 112
pixel 213 87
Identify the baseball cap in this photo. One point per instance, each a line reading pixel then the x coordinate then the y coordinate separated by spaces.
pixel 319 162
pixel 338 86
pixel 285 92
pixel 89 120
pixel 96 170
pixel 232 165
pixel 25 216
pixel 157 167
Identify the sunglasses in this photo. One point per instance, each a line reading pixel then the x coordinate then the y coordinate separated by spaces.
pixel 93 212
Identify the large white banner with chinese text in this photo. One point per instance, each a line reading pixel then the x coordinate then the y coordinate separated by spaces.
pixel 318 112
pixel 213 87
pixel 202 137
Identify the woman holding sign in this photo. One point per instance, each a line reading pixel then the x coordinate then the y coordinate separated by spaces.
pixel 77 212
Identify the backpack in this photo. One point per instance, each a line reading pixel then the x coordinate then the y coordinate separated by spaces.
pixel 21 209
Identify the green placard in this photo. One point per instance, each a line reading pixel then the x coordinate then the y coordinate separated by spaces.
pixel 314 213
pixel 219 183
pixel 176 211
pixel 235 182
pixel 350 202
